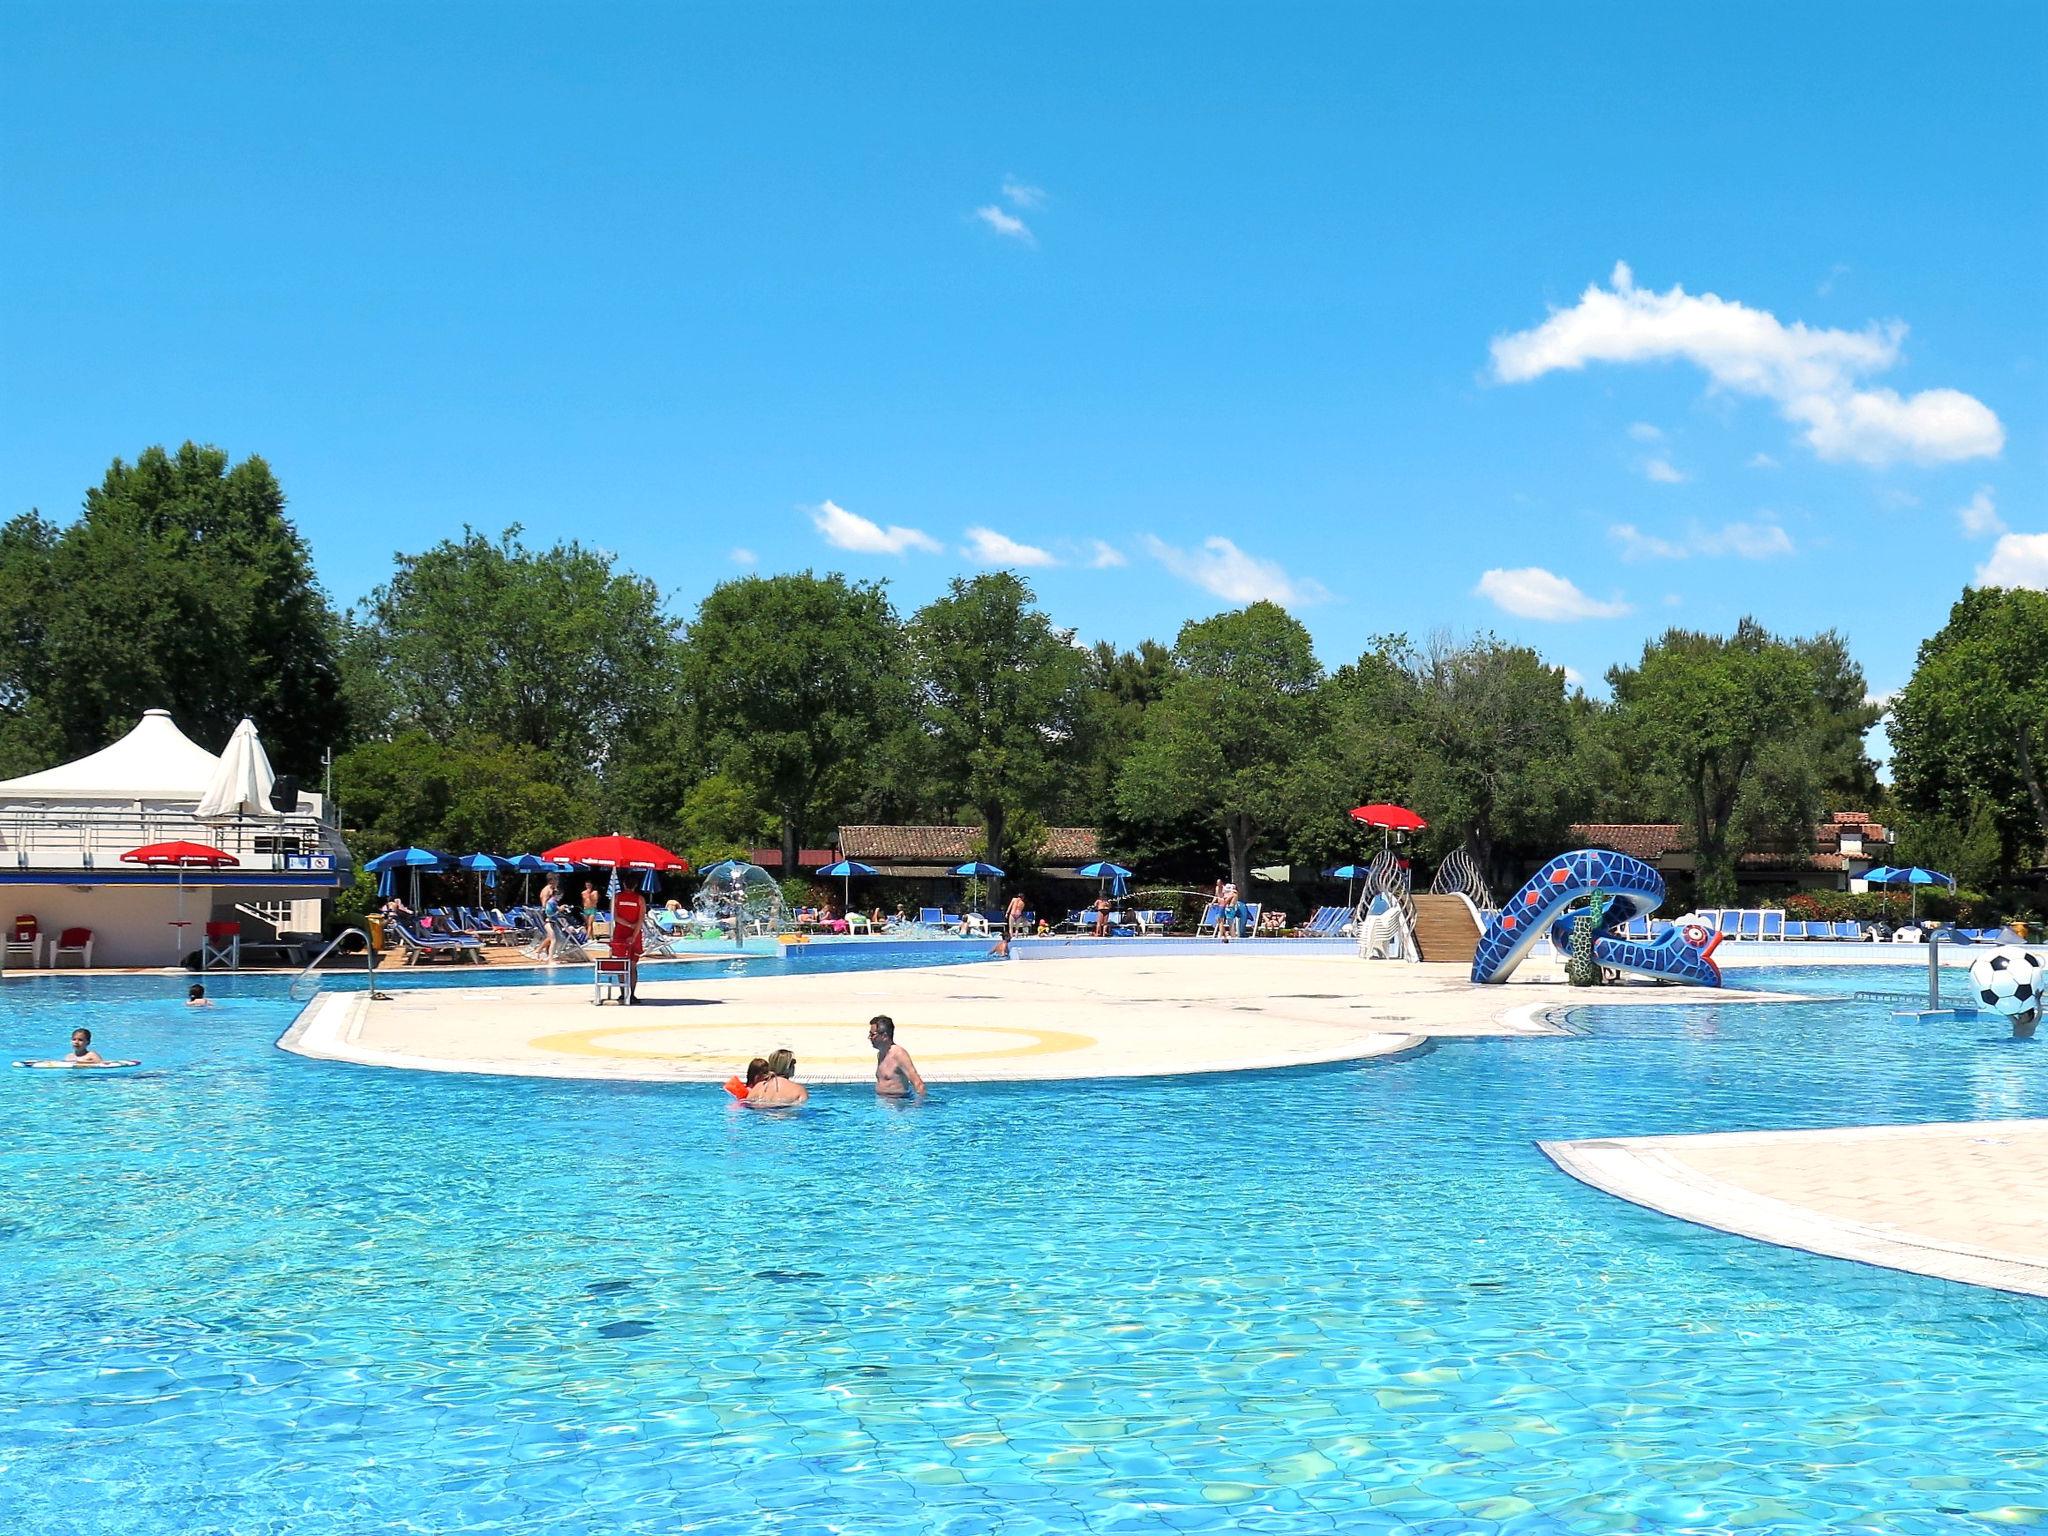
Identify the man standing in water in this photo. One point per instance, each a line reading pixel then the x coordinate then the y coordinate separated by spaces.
pixel 895 1073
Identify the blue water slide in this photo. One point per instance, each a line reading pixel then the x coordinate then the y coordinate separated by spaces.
pixel 1560 890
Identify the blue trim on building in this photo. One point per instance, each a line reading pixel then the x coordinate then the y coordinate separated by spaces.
pixel 296 879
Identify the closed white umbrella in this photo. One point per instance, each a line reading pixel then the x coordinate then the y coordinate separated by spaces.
pixel 241 787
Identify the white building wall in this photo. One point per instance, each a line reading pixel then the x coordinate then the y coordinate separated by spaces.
pixel 130 924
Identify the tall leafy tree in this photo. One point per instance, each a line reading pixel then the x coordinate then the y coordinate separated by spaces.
pixel 1970 728
pixel 181 586
pixel 1743 735
pixel 1234 739
pixel 1497 768
pixel 465 795
pixel 553 650
pixel 794 680
pixel 1001 696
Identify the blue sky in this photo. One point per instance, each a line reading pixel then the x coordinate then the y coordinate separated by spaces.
pixel 1341 286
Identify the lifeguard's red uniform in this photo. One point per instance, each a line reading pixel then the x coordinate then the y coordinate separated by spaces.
pixel 629 913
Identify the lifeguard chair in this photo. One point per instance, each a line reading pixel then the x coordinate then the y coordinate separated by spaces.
pixel 610 977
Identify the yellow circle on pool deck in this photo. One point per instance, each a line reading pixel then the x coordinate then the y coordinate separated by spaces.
pixel 589 1042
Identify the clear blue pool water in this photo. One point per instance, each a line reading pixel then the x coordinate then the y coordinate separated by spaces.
pixel 245 1292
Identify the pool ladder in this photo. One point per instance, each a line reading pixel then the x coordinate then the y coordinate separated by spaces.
pixel 312 966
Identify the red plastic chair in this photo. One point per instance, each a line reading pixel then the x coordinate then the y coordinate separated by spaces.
pixel 73 941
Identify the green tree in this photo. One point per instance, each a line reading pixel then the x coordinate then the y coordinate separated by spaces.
pixel 721 819
pixel 1971 726
pixel 553 650
pixel 1233 741
pixel 472 794
pixel 793 681
pixel 1497 768
pixel 182 586
pixel 1121 686
pixel 1743 736
pixel 30 737
pixel 1001 697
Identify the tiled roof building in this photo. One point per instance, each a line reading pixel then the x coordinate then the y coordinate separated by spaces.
pixel 1844 846
pixel 935 850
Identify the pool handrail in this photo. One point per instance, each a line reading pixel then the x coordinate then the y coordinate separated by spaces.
pixel 312 966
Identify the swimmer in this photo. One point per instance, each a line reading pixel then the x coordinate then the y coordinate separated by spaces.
pixel 196 997
pixel 82 1055
pixel 778 1088
pixel 895 1073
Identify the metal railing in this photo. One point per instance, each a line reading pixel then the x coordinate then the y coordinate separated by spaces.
pixel 76 837
pixel 1387 876
pixel 1459 875
pixel 312 967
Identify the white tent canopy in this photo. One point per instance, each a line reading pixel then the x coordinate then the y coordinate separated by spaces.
pixel 155 761
pixel 241 786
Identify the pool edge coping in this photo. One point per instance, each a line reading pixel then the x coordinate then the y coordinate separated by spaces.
pixel 1646 1171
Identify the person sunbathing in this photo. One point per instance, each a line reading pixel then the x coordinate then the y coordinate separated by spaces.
pixel 778 1089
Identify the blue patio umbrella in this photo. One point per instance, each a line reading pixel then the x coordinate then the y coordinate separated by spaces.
pixel 1103 869
pixel 387 866
pixel 650 882
pixel 845 870
pixel 485 866
pixel 974 869
pixel 1350 874
pixel 529 865
pixel 1912 875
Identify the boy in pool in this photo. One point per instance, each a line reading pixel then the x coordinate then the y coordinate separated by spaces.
pixel 197 998
pixel 82 1055
pixel 895 1073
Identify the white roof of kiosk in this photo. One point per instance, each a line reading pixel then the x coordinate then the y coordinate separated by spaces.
pixel 155 761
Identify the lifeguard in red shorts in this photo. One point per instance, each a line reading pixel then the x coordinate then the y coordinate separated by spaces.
pixel 629 915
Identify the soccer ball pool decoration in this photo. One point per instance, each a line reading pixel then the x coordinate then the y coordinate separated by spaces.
pixel 2008 980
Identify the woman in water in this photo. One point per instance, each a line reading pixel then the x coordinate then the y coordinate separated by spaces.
pixel 779 1088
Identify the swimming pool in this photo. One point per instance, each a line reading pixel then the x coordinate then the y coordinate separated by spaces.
pixel 250 1292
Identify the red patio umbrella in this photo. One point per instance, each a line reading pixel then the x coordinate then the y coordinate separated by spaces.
pixel 181 856
pixel 618 853
pixel 1389 818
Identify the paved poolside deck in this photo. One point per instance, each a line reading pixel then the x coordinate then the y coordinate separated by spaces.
pixel 1965 1201
pixel 1101 1016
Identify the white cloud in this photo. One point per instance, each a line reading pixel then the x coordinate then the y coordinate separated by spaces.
pixel 1534 593
pixel 988 547
pixel 1219 566
pixel 2017 560
pixel 741 555
pixel 1762 461
pixel 1007 225
pixel 1103 557
pixel 1644 432
pixel 1673 600
pixel 849 530
pixel 1827 284
pixel 1811 373
pixel 1979 516
pixel 1881 700
pixel 1637 545
pixel 1574 678
pixel 1662 472
pixel 1747 541
pixel 1022 194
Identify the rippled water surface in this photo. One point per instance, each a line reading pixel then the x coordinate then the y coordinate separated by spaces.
pixel 245 1292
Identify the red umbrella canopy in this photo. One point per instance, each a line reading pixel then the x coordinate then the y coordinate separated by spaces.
pixel 1396 818
pixel 183 855
pixel 619 852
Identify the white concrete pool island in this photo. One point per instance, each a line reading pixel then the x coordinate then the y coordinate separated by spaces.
pixel 1106 1015
pixel 1102 1016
